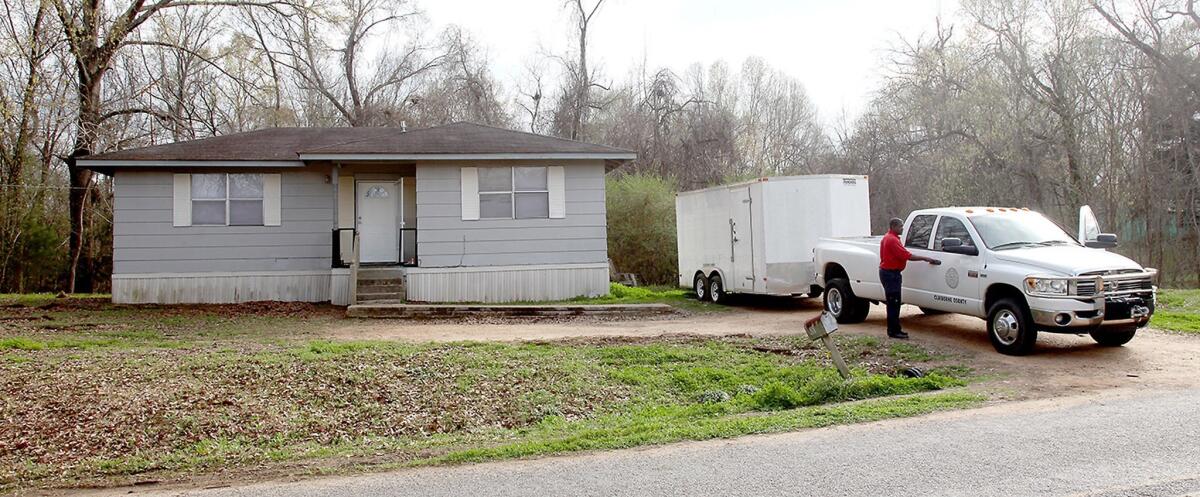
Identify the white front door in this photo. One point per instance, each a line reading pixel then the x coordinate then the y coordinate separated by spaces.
pixel 741 240
pixel 378 221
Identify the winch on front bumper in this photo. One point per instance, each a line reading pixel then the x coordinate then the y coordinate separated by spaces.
pixel 1095 300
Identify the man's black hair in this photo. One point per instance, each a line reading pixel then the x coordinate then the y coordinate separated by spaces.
pixel 896 222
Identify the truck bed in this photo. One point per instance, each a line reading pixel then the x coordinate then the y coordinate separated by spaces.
pixel 858 256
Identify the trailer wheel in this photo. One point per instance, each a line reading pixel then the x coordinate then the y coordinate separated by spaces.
pixel 716 289
pixel 700 286
pixel 843 305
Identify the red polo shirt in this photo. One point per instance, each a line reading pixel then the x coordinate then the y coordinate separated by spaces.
pixel 892 254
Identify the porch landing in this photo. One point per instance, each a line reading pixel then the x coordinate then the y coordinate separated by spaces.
pixel 431 311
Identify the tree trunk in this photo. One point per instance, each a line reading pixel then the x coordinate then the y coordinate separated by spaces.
pixel 81 179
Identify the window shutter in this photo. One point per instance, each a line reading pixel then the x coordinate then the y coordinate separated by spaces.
pixel 470 194
pixel 183 200
pixel 272 200
pixel 556 183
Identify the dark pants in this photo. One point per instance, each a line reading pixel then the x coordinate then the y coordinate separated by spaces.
pixel 891 280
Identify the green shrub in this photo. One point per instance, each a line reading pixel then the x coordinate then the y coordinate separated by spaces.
pixel 641 227
pixel 777 396
pixel 619 291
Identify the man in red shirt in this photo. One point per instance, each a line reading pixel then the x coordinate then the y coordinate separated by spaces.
pixel 893 257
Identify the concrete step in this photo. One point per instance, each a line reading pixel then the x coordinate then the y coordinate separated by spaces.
pixel 381 288
pixel 380 273
pixel 380 281
pixel 373 297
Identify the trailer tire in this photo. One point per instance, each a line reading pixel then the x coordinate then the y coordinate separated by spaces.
pixel 716 289
pixel 843 305
pixel 1010 328
pixel 700 287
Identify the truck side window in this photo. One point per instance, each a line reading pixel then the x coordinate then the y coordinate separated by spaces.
pixel 952 228
pixel 919 231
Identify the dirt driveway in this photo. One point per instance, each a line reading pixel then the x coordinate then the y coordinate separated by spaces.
pixel 1061 364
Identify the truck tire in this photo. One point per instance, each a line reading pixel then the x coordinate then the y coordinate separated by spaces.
pixel 1010 327
pixel 1113 337
pixel 842 304
pixel 716 289
pixel 700 287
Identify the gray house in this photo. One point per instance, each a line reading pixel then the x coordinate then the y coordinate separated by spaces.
pixel 455 213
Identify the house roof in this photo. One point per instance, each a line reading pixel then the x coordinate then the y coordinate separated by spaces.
pixel 292 146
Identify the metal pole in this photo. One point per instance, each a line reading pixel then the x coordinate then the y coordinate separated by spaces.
pixel 837 357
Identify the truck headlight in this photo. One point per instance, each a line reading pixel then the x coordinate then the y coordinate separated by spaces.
pixel 1046 286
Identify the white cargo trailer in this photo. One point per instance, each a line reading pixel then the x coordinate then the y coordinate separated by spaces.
pixel 757 237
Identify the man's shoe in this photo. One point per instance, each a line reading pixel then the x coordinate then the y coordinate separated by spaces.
pixel 898 335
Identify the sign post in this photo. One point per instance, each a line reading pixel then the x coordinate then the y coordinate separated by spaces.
pixel 819 328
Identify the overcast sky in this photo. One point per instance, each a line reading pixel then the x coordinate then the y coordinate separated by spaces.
pixel 834 47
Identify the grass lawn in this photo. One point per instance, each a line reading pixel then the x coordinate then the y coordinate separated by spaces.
pixel 1178 310
pixel 674 296
pixel 92 393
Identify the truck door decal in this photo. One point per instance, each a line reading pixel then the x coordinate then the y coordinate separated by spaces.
pixel 952 278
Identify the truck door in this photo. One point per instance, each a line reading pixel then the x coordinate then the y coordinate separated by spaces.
pixel 1089 227
pixel 954 285
pixel 918 278
pixel 741 241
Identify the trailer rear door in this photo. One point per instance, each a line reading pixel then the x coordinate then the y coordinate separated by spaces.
pixel 741 240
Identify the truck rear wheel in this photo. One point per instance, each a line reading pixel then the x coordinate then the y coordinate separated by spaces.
pixel 1113 338
pixel 1010 328
pixel 843 305
pixel 700 286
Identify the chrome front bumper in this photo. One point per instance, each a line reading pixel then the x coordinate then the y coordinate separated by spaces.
pixel 1069 315
pixel 1117 299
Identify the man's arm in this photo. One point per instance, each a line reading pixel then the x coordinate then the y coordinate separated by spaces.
pixel 914 257
pixel 930 260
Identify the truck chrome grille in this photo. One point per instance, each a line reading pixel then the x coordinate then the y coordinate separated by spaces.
pixel 1085 288
pixel 1088 288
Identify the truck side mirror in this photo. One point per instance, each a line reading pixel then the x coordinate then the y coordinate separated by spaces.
pixel 955 246
pixel 1103 240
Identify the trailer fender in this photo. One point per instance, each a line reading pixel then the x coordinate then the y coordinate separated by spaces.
pixel 709 271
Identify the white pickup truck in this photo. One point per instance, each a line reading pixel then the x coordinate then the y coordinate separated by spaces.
pixel 1014 268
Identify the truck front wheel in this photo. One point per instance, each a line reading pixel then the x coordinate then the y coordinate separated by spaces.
pixel 1010 328
pixel 843 305
pixel 1113 338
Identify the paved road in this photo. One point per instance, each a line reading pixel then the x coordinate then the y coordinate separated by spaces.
pixel 1115 444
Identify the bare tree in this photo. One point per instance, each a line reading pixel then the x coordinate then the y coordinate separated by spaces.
pixel 94 36
pixel 460 89
pixel 22 113
pixel 531 91
pixel 361 92
pixel 576 101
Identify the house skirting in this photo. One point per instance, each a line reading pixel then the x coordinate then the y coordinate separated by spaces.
pixel 229 288
pixel 492 284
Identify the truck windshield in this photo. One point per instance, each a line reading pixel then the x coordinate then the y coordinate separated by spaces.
pixel 1004 231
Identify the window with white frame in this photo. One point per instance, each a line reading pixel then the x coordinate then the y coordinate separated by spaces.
pixel 227 199
pixel 514 193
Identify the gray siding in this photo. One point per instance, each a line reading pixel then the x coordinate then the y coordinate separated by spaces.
pixel 144 240
pixel 445 240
